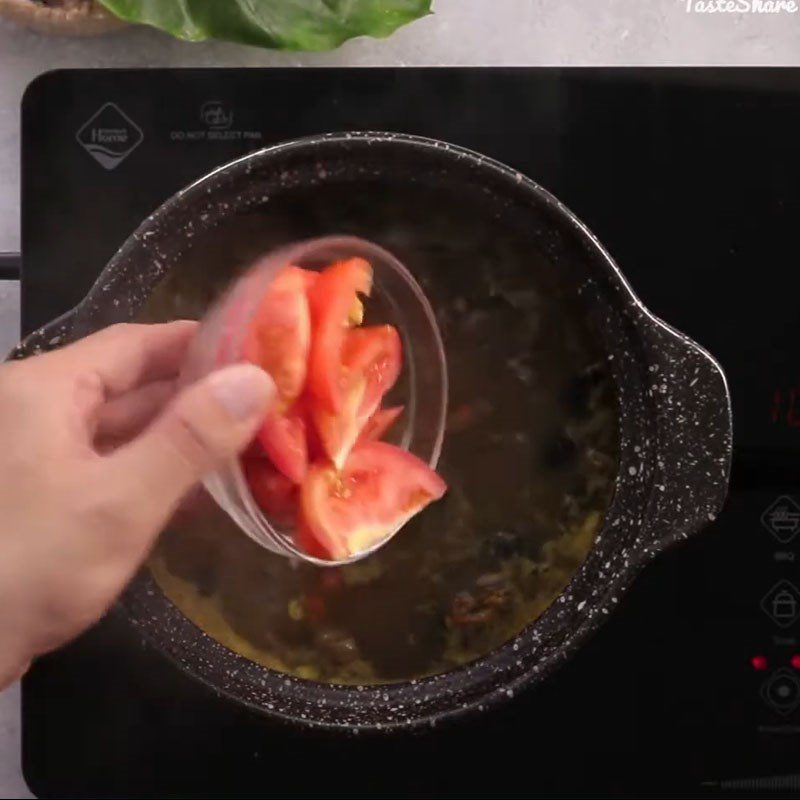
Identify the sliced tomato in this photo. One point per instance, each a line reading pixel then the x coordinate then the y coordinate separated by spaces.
pixel 279 338
pixel 273 492
pixel 309 278
pixel 279 341
pixel 371 360
pixel 283 437
pixel 380 488
pixel 379 423
pixel 333 299
pixel 302 409
pixel 338 432
pixel 374 352
pixel 307 542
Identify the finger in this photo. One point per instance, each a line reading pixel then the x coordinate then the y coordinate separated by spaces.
pixel 129 414
pixel 207 425
pixel 129 355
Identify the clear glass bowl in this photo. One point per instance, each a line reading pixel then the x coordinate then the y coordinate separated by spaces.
pixel 396 299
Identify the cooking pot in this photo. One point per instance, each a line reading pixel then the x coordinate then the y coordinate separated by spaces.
pixel 673 411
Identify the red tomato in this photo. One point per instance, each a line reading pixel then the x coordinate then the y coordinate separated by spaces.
pixel 380 488
pixel 316 449
pixel 273 492
pixel 338 432
pixel 306 542
pixel 333 299
pixel 283 437
pixel 279 341
pixel 371 360
pixel 376 353
pixel 379 423
pixel 309 278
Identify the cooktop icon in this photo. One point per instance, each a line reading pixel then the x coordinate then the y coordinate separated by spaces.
pixel 216 115
pixel 109 136
pixel 782 603
pixel 782 519
pixel 782 691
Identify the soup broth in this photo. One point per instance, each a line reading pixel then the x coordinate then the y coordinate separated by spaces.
pixel 530 455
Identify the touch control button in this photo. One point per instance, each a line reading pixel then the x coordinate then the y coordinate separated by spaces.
pixel 782 519
pixel 781 691
pixel 782 603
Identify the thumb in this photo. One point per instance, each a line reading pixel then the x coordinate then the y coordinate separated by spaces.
pixel 208 424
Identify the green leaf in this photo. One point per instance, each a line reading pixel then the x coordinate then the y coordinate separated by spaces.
pixel 283 24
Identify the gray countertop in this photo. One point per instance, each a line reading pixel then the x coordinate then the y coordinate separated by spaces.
pixel 461 32
pixel 487 32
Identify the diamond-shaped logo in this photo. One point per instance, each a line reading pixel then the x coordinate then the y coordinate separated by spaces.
pixel 109 136
pixel 782 603
pixel 782 519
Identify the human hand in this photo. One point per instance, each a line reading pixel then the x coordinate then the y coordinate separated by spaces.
pixel 97 453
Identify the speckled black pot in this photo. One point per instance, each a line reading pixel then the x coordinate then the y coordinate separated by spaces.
pixel 674 414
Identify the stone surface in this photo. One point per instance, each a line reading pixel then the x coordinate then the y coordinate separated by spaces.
pixel 491 32
pixel 9 315
pixel 12 783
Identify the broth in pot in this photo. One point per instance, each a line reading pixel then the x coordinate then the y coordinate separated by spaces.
pixel 530 455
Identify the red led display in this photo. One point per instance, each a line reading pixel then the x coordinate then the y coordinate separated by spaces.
pixel 760 662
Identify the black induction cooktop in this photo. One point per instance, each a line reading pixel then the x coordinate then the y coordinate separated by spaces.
pixel 691 178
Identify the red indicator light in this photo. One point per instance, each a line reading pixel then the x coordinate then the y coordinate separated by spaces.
pixel 795 661
pixel 793 417
pixel 760 662
pixel 786 407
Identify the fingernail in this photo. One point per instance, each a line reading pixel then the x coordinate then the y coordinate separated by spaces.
pixel 243 390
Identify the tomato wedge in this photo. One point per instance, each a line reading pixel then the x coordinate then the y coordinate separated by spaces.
pixel 331 376
pixel 274 493
pixel 306 542
pixel 371 363
pixel 380 488
pixel 279 341
pixel 279 338
pixel 376 353
pixel 334 303
pixel 283 437
pixel 309 278
pixel 379 423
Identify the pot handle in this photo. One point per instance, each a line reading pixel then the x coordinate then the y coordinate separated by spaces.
pixel 694 436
